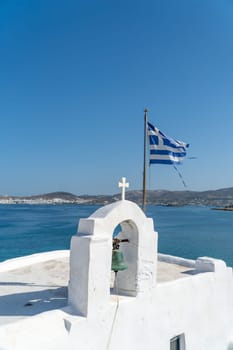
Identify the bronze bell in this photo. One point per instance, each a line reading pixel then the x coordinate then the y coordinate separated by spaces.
pixel 118 263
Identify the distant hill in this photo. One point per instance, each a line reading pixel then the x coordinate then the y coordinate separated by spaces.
pixel 52 195
pixel 221 197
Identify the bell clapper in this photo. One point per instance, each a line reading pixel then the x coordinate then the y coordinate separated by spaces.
pixel 115 283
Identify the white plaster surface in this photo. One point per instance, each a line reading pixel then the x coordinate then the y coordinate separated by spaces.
pixel 91 254
pixel 182 302
pixel 33 284
pixel 194 299
pixel 176 260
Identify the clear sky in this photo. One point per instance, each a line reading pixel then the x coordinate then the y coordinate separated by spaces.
pixel 75 77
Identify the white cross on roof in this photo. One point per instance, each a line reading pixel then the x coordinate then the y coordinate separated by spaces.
pixel 123 184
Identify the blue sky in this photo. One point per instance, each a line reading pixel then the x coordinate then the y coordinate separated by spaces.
pixel 75 77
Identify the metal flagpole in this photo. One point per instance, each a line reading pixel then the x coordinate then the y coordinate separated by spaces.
pixel 144 164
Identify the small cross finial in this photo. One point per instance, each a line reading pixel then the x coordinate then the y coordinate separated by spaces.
pixel 123 184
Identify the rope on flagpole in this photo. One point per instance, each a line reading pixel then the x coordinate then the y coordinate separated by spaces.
pixel 181 177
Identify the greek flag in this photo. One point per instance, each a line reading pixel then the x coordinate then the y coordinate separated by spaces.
pixel 163 149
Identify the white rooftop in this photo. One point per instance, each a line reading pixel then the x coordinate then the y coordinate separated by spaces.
pixel 28 290
pixel 61 300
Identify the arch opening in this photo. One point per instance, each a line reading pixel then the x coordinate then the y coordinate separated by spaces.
pixel 126 283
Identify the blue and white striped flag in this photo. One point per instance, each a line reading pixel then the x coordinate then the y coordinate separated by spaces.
pixel 163 149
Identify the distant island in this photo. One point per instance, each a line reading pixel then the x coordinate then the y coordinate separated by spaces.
pixel 221 199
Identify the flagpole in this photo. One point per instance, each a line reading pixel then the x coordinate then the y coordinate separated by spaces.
pixel 144 162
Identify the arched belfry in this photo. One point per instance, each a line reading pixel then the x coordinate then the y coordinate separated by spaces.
pixel 91 256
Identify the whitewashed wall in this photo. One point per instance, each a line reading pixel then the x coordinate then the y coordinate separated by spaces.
pixel 199 306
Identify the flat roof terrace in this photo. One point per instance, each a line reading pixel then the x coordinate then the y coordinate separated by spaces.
pixel 38 283
pixel 170 271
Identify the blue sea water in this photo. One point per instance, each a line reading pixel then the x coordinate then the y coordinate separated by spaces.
pixel 190 231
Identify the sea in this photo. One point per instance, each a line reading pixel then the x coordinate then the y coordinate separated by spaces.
pixel 189 231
